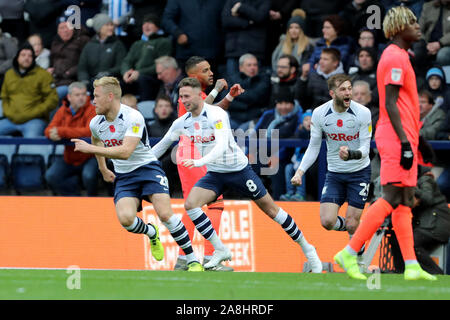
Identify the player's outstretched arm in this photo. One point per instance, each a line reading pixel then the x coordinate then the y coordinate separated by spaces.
pixel 122 152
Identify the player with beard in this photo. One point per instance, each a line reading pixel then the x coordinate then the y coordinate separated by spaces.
pixel 348 129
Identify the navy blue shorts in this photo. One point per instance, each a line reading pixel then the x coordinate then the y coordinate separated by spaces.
pixel 352 187
pixel 246 182
pixel 141 182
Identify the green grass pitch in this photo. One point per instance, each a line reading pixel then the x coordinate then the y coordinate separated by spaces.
pixel 43 284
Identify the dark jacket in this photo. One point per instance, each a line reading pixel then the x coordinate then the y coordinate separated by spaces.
pixel 64 57
pixel 200 21
pixel 247 32
pixel 143 53
pixel 433 214
pixel 342 43
pixel 101 57
pixel 253 101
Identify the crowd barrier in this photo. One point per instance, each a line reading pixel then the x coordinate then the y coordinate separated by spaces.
pixel 59 232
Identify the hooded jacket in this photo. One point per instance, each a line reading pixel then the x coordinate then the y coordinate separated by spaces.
pixel 28 95
pixel 73 126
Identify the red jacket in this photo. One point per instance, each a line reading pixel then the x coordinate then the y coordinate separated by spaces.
pixel 73 126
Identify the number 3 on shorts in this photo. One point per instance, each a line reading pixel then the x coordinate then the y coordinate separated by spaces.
pixel 251 185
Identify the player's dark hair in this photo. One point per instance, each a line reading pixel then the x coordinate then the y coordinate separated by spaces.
pixel 336 80
pixel 192 62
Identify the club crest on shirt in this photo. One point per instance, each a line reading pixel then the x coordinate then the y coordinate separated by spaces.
pixel 396 74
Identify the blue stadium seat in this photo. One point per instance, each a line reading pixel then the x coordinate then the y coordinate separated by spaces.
pixel 27 172
pixel 146 108
pixel 45 150
pixel 4 172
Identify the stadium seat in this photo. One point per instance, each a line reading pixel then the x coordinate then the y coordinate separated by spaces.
pixel 146 108
pixel 8 150
pixel 27 172
pixel 4 172
pixel 44 150
pixel 447 73
pixel 1 109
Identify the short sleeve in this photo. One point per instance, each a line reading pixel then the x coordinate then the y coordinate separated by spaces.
pixel 394 71
pixel 135 125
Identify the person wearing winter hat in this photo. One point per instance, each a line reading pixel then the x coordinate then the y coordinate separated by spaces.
pixel 138 69
pixel 103 54
pixel 294 42
pixel 436 83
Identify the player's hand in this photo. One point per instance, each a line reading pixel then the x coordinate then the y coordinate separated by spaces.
pixel 221 84
pixel 236 90
pixel 426 150
pixel 297 178
pixel 108 175
pixel 407 156
pixel 188 163
pixel 343 152
pixel 81 145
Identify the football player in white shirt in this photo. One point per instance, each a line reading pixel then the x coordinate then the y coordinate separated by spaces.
pixel 348 129
pixel 119 133
pixel 208 127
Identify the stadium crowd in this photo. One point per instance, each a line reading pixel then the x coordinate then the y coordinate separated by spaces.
pixel 280 51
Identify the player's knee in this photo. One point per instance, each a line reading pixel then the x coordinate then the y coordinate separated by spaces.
pixel 126 219
pixel 189 204
pixel 328 222
pixel 351 224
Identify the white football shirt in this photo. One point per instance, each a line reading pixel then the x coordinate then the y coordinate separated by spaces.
pixel 212 136
pixel 352 128
pixel 129 122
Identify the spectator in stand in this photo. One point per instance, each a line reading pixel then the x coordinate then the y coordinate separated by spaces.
pixel 366 39
pixel 170 75
pixel 279 14
pixel 366 69
pixel 436 84
pixel 316 11
pixel 88 8
pixel 435 43
pixel 141 8
pixel 28 95
pixel 157 128
pixel 294 42
pixel 443 157
pixel 431 220
pixel 8 49
pixel 362 93
pixel 245 27
pixel 12 19
pixel 42 54
pixel 246 108
pixel 121 13
pixel 72 121
pixel 431 115
pixel 357 16
pixel 138 68
pixel 286 76
pixel 43 18
pixel 332 37
pixel 297 193
pixel 285 117
pixel 312 89
pixel 64 55
pixel 414 5
pixel 103 54
pixel 196 28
